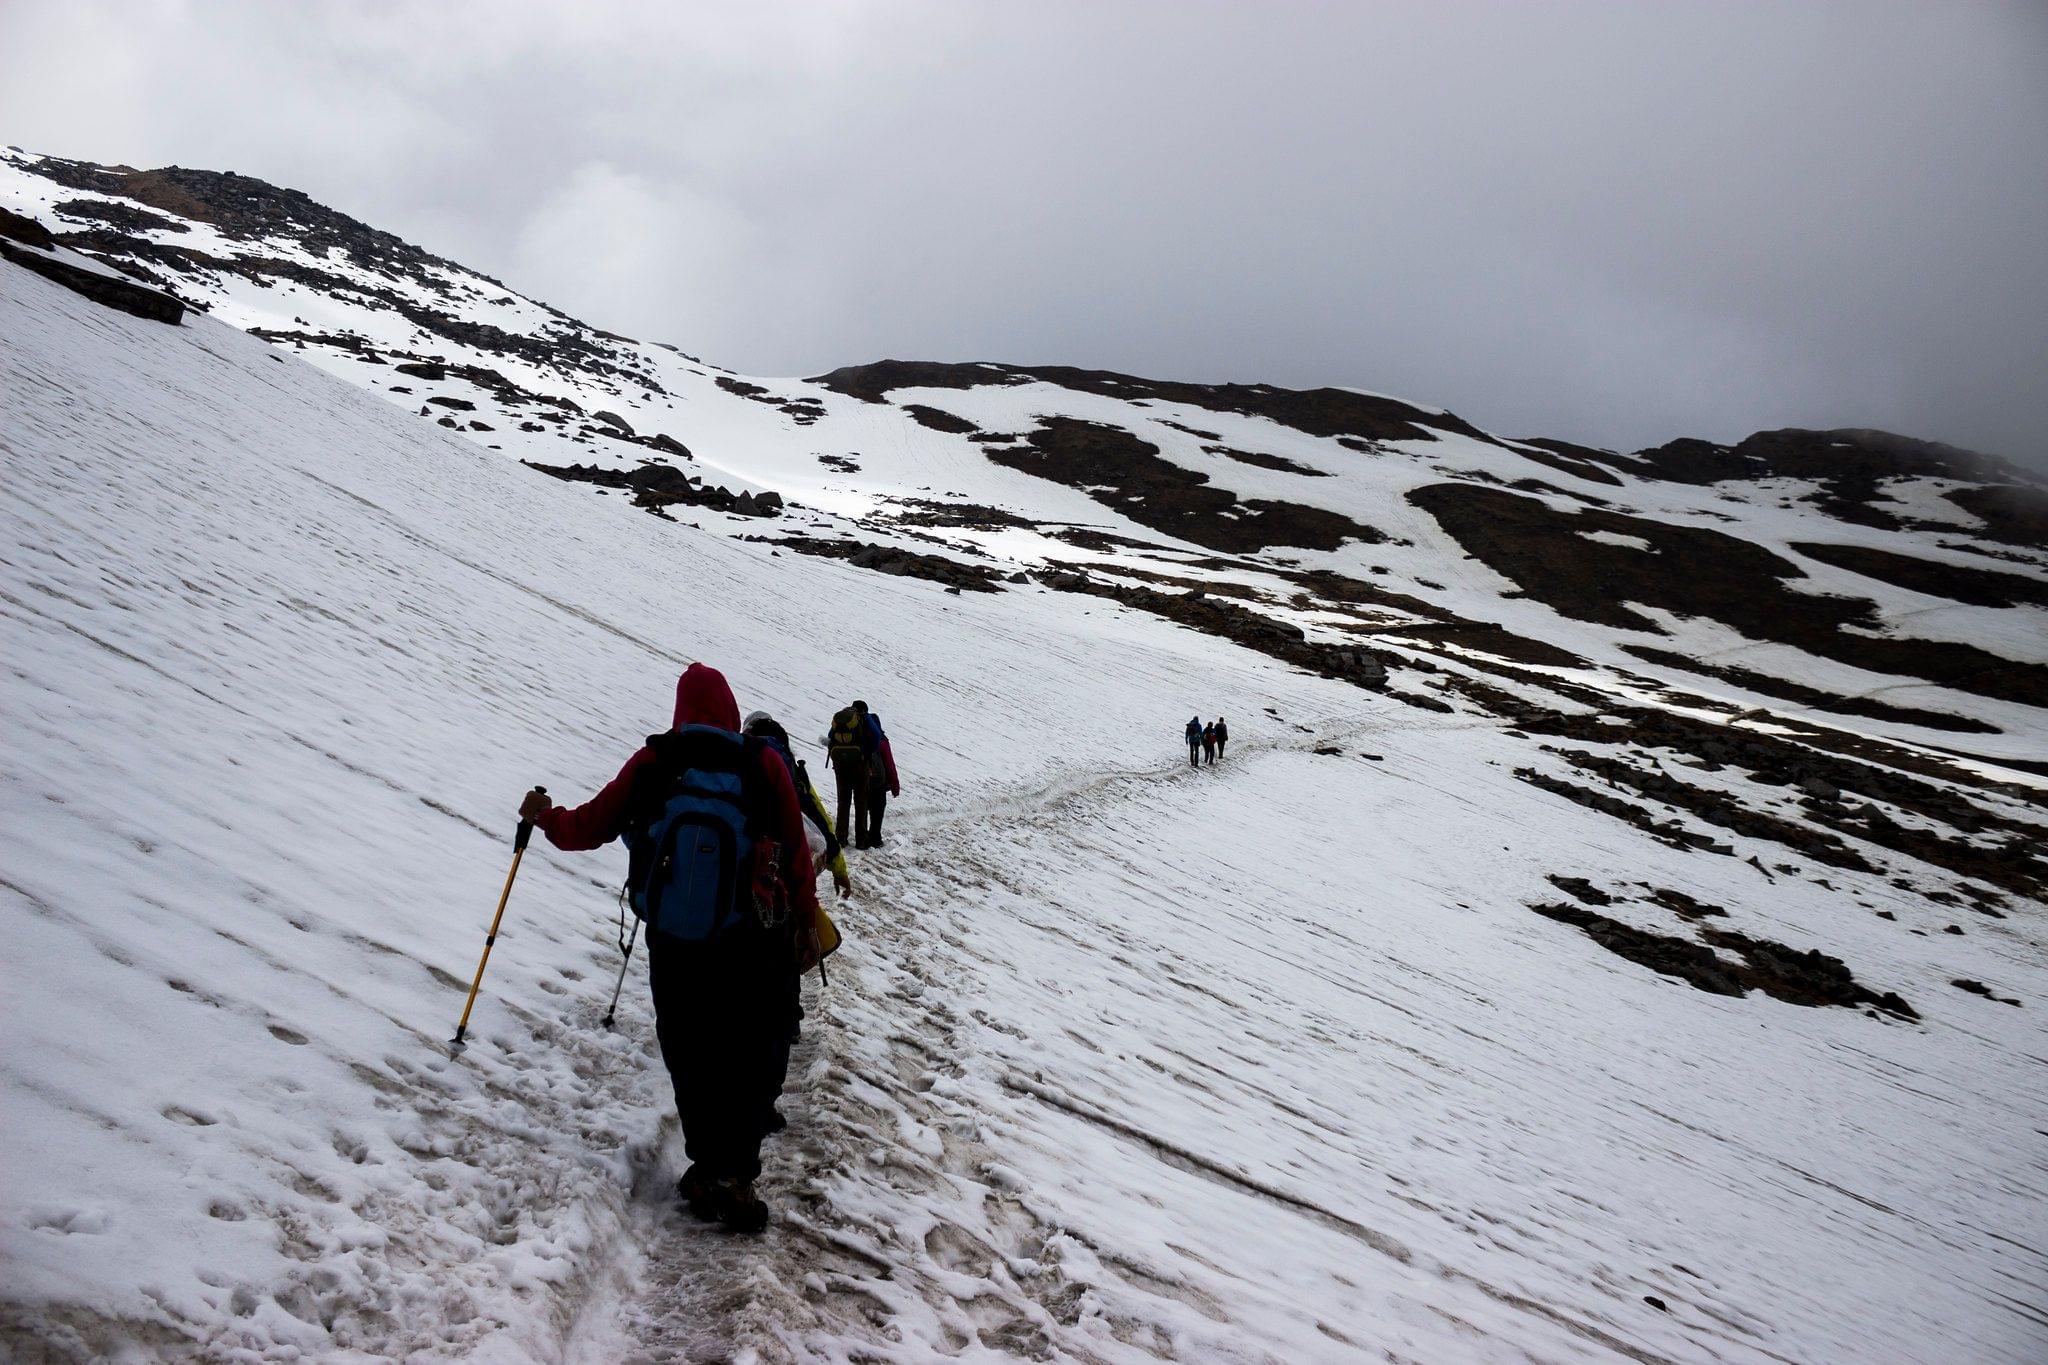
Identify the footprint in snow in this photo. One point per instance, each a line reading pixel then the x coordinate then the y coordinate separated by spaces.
pixel 65 1221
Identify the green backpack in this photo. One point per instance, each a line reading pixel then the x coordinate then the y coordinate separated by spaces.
pixel 845 734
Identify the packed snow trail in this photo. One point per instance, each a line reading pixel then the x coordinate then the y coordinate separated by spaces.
pixel 1064 1100
pixel 280 664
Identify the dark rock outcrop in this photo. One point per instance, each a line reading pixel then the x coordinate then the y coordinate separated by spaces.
pixel 1124 472
pixel 107 290
pixel 1695 571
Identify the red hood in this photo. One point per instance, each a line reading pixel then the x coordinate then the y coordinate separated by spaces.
pixel 703 698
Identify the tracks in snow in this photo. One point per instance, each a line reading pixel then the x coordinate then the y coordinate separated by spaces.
pixel 898 1228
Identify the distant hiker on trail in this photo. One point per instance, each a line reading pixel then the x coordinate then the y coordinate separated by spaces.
pixel 760 725
pixel 1222 735
pixel 1208 744
pixel 764 727
pixel 720 870
pixel 865 769
pixel 882 783
pixel 1195 742
pixel 845 746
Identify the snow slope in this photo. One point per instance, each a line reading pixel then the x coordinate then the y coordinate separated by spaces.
pixel 1122 1061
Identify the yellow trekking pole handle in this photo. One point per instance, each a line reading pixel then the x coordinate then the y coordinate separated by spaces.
pixel 518 851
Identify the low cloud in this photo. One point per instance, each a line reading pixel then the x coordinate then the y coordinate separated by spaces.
pixel 1615 224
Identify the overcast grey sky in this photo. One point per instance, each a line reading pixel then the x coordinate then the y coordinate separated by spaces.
pixel 1613 222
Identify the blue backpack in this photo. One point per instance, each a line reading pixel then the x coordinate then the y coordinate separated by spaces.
pixel 690 833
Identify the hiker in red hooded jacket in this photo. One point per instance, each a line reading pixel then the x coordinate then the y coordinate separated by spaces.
pixel 881 776
pixel 720 1001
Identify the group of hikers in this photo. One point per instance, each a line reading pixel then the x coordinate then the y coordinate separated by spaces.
pixel 1205 742
pixel 721 872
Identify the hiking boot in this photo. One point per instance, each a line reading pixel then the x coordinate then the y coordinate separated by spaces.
pixel 734 1204
pixel 696 1189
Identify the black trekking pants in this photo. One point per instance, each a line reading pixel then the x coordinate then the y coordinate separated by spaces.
pixel 1194 753
pixel 721 1012
pixel 850 771
pixel 878 801
pixel 792 1012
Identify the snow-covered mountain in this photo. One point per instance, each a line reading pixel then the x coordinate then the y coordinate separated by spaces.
pixel 1615 932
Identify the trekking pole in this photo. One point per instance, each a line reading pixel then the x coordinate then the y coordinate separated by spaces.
pixel 518 852
pixel 612 1013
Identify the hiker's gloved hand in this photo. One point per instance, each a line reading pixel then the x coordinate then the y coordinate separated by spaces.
pixel 536 802
pixel 841 882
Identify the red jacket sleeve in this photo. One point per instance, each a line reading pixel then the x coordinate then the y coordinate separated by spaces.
pixel 597 821
pixel 889 766
pixel 799 871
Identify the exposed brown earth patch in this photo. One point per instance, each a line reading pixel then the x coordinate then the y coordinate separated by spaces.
pixel 1695 571
pixel 1993 849
pixel 1976 587
pixel 1126 473
pixel 1796 453
pixel 1319 412
pixel 1849 468
pixel 1259 459
pixel 938 419
pixel 2010 513
pixel 1719 808
pixel 1664 831
pixel 1787 690
pixel 1486 637
pixel 1197 610
pixel 1581 461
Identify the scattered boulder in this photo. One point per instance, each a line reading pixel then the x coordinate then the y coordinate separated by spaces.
pixel 1963 983
pixel 1579 889
pixel 1809 977
pixel 656 487
pixel 892 559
